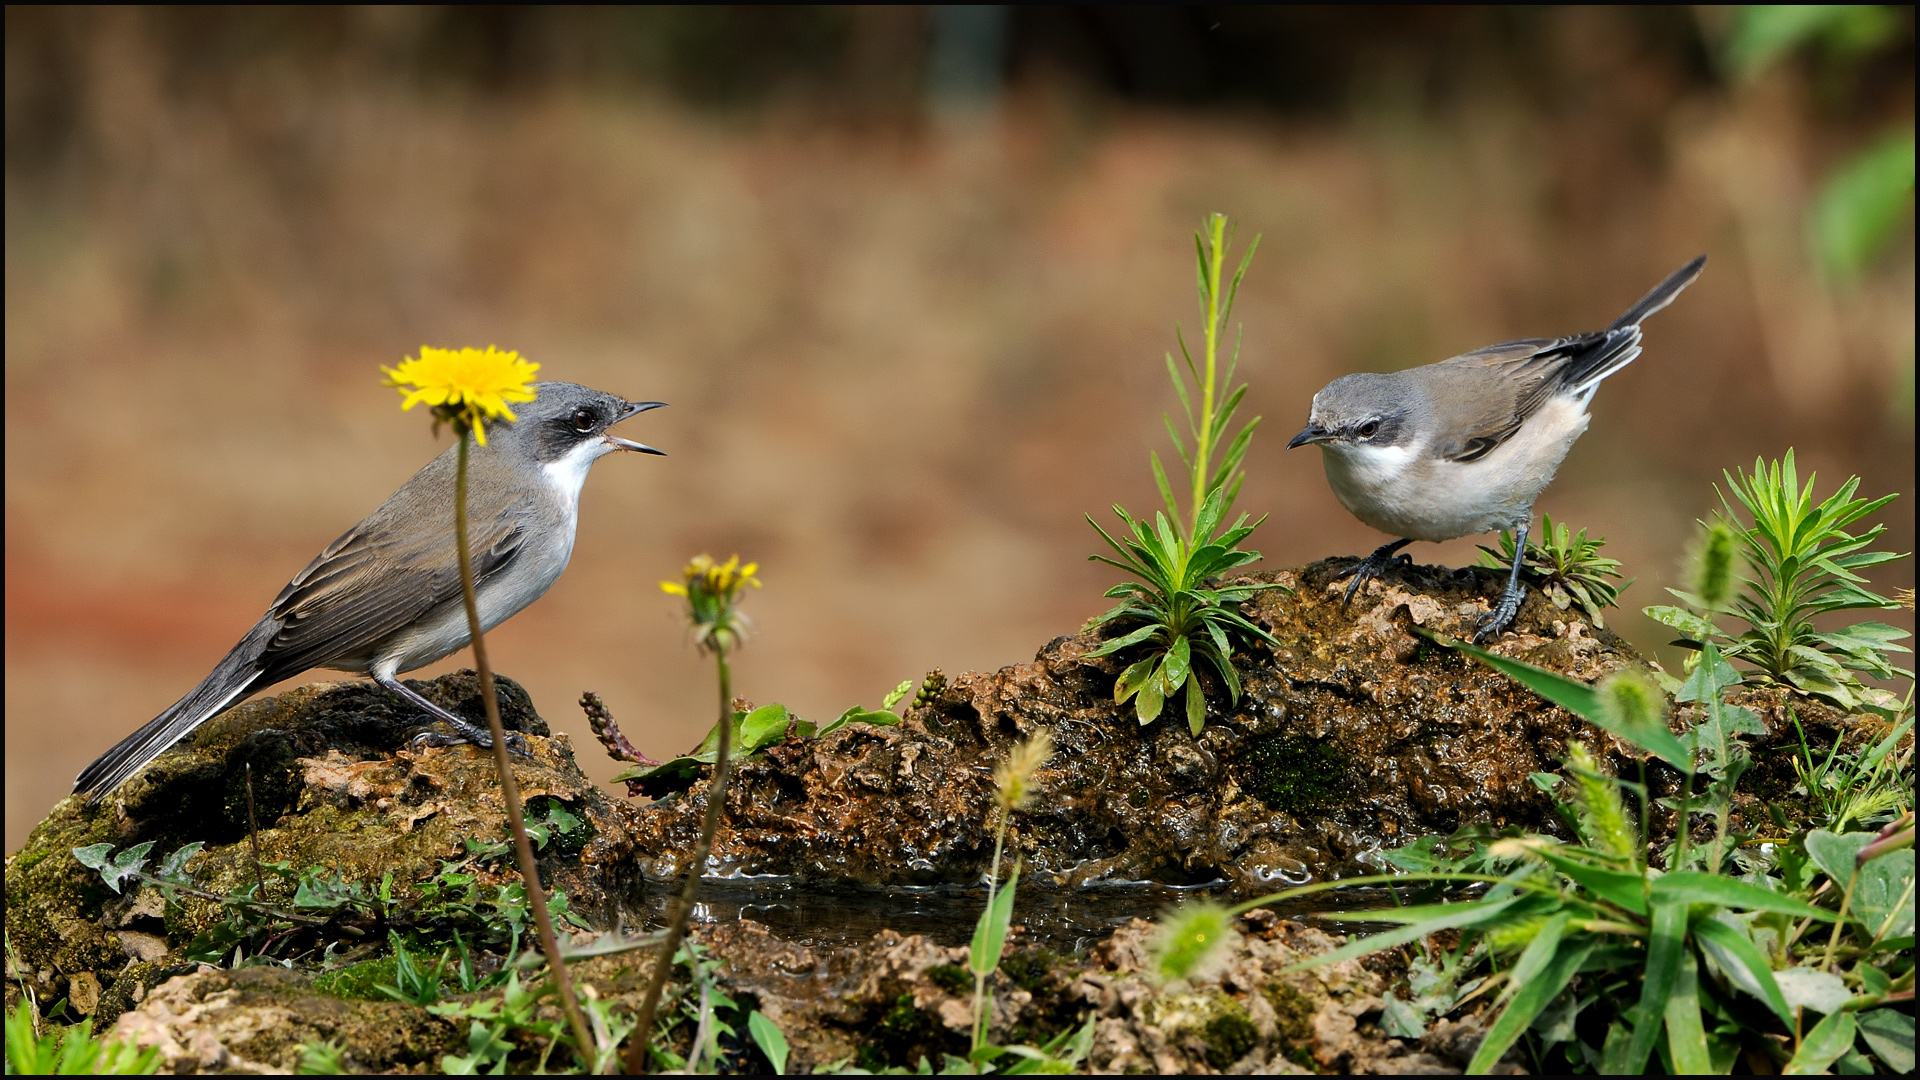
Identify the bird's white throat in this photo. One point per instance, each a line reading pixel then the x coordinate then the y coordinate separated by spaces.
pixel 568 474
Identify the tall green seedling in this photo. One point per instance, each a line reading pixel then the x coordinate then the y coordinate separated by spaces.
pixel 1177 606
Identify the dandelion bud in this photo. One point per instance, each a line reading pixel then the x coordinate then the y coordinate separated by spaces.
pixel 1713 568
pixel 1192 940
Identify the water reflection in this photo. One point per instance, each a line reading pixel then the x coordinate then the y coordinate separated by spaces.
pixel 1058 920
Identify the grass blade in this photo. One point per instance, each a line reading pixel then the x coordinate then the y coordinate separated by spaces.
pixel 1686 1038
pixel 1664 952
pixel 1560 960
pixel 1691 887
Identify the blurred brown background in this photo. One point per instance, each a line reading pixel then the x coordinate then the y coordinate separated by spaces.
pixel 906 276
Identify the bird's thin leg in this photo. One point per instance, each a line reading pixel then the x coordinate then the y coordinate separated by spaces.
pixel 1508 606
pixel 464 731
pixel 1371 567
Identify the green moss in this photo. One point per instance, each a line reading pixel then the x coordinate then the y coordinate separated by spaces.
pixel 903 1036
pixel 357 981
pixel 1293 1022
pixel 952 978
pixel 1229 1034
pixel 1029 968
pixel 1290 773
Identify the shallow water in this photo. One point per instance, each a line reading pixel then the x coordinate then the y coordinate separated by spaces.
pixel 1065 921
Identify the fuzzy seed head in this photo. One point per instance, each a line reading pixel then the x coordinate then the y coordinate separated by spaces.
pixel 1631 700
pixel 1194 940
pixel 1713 567
pixel 1014 776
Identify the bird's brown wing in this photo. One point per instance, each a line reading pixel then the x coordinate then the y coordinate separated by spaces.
pixel 386 572
pixel 1491 392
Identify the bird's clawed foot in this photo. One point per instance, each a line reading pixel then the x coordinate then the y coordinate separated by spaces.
pixel 1372 567
pixel 1505 610
pixel 465 734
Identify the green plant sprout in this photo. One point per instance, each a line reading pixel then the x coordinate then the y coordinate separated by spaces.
pixel 1801 563
pixel 1013 788
pixel 1566 566
pixel 753 731
pixel 1184 614
pixel 72 1051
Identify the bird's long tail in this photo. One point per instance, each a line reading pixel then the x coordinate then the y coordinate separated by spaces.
pixel 1662 294
pixel 235 677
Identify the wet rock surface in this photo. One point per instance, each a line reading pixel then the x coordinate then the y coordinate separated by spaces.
pixel 1353 735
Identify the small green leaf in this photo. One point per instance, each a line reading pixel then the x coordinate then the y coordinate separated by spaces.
pixel 1883 897
pixel 1835 854
pixel 770 1039
pixel 1627 890
pixel 1823 1045
pixel 1197 709
pixel 1148 702
pixel 763 727
pixel 1889 1034
pixel 1173 673
pixel 1743 962
pixel 1132 679
pixel 990 933
pixel 1134 637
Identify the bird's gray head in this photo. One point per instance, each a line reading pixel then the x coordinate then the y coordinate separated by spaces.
pixel 566 421
pixel 1363 410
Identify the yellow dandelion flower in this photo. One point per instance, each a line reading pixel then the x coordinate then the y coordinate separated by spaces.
pixel 465 387
pixel 713 592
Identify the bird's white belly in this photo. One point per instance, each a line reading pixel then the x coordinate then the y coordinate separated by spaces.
pixel 1403 492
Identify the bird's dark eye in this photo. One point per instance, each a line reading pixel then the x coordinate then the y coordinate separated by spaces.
pixel 583 421
pixel 1369 429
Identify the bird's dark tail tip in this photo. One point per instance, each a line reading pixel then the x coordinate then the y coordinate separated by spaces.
pixel 1662 294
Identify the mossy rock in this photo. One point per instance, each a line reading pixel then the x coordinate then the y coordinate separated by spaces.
pixel 336 784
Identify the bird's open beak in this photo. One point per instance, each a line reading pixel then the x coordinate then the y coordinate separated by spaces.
pixel 1312 433
pixel 635 408
pixel 629 444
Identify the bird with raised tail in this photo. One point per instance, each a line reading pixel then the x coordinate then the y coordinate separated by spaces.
pixel 385 597
pixel 1466 445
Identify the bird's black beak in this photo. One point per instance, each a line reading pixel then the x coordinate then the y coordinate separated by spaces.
pixel 1312 433
pixel 635 408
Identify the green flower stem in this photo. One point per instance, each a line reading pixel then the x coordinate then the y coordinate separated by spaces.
pixel 982 1008
pixel 683 907
pixel 509 787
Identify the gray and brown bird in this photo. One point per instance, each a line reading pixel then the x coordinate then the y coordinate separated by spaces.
pixel 1467 445
pixel 385 597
